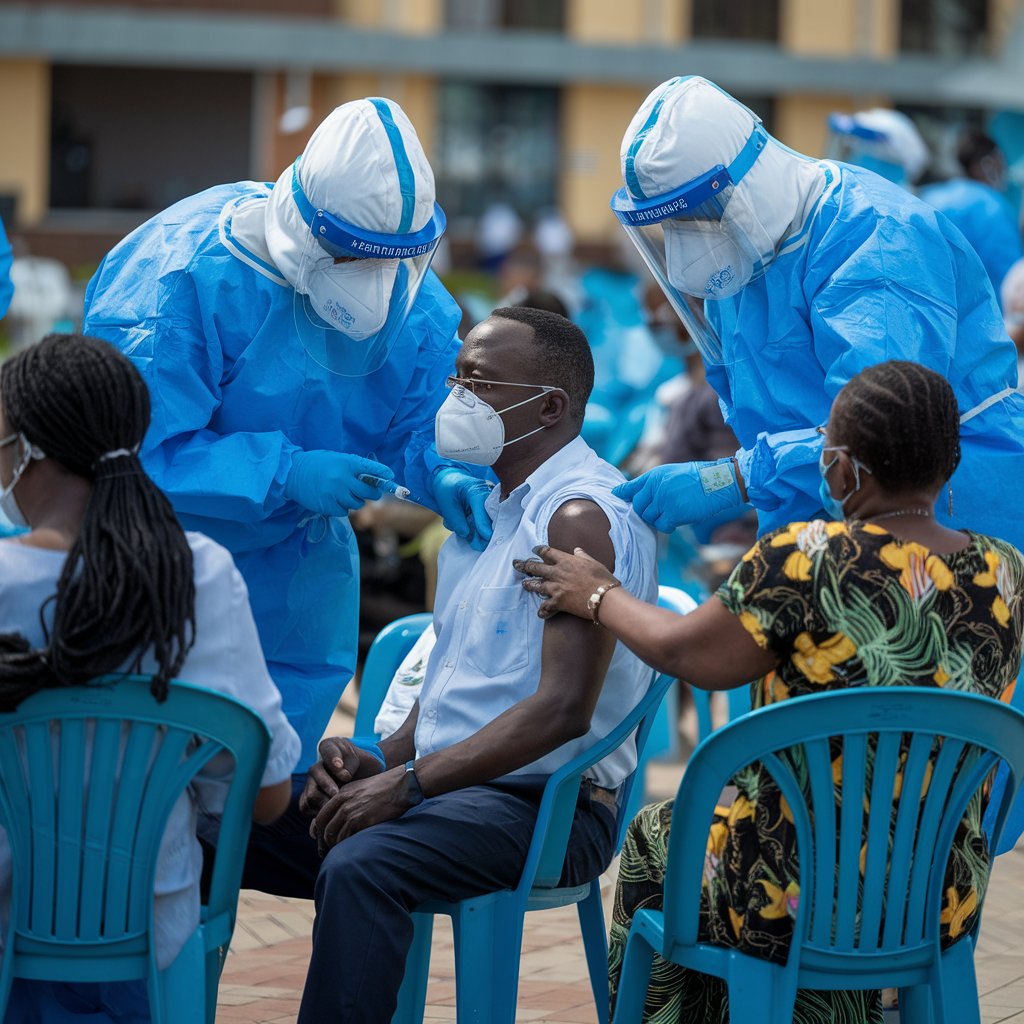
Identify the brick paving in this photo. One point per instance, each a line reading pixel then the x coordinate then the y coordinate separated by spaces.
pixel 263 978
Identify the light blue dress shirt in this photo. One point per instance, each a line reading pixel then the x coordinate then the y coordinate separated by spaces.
pixel 489 639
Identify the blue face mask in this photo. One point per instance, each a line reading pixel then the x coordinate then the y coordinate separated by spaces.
pixel 834 507
pixel 666 337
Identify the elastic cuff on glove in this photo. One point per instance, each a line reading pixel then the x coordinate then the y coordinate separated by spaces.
pixel 371 746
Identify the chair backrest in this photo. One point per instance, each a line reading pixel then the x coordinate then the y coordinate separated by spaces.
pixel 88 778
pixel 924 751
pixel 386 652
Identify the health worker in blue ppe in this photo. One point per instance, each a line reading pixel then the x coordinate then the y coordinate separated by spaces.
pixel 296 347
pixel 977 205
pixel 884 141
pixel 792 275
pixel 6 259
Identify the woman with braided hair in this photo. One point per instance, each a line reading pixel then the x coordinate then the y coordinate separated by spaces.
pixel 105 580
pixel 880 595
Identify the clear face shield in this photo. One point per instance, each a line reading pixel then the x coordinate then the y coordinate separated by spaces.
pixel 703 241
pixel 355 289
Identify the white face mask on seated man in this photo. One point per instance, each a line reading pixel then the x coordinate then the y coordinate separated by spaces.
pixel 468 429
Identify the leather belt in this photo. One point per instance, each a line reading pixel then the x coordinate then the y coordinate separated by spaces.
pixel 608 797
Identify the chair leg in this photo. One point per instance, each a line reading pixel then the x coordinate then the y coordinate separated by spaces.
pixel 488 934
pixel 187 988
pixel 412 996
pixel 634 979
pixel 916 1005
pixel 955 993
pixel 595 943
pixel 755 993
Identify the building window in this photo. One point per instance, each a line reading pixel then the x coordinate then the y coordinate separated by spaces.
pixel 143 138
pixel 946 28
pixel 751 20
pixel 496 144
pixel 482 15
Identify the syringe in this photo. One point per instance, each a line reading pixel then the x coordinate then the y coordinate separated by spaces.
pixel 389 486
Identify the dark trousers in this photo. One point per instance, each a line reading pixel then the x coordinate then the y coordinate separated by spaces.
pixel 451 847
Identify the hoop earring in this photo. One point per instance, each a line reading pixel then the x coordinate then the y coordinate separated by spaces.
pixel 949 487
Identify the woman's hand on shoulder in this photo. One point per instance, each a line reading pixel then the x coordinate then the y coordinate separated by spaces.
pixel 564 580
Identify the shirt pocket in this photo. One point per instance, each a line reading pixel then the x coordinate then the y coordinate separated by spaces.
pixel 496 635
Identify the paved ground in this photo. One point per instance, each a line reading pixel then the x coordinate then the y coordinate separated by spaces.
pixel 266 967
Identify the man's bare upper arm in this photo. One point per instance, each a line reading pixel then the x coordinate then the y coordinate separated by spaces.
pixel 576 654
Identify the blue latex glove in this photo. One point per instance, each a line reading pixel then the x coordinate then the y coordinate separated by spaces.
pixel 460 499
pixel 674 495
pixel 328 482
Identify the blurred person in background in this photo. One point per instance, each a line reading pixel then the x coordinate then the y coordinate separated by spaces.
pixel 880 140
pixel 808 272
pixel 977 205
pixel 296 347
pixel 1012 295
pixel 498 232
pixel 694 426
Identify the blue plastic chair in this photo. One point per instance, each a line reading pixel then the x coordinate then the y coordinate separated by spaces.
pixel 489 929
pixel 737 704
pixel 663 740
pixel 389 648
pixel 879 930
pixel 84 855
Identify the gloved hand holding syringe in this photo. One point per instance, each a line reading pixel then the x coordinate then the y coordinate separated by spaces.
pixel 388 486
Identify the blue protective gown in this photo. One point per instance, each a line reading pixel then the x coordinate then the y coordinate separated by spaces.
pixel 209 323
pixel 6 258
pixel 985 219
pixel 875 274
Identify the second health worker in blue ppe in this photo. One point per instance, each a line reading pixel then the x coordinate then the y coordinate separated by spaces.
pixel 792 275
pixel 296 347
pixel 977 204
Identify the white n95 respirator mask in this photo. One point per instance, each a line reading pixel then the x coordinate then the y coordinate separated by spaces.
pixel 467 429
pixel 708 262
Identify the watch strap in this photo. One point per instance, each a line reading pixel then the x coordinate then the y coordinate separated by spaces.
pixel 416 795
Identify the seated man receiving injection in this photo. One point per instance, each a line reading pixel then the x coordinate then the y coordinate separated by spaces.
pixel 445 808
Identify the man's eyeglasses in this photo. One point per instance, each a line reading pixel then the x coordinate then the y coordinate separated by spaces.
pixel 472 383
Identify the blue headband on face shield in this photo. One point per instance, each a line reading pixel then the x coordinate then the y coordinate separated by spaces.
pixel 341 239
pixel 845 124
pixel 703 197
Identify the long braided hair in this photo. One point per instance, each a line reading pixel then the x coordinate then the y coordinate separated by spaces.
pixel 901 419
pixel 127 585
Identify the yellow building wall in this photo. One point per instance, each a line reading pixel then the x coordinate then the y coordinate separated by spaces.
pixel 615 22
pixel 1001 15
pixel 25 130
pixel 809 26
pixel 841 28
pixel 594 119
pixel 416 17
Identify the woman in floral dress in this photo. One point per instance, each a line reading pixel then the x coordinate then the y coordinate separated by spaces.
pixel 880 595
